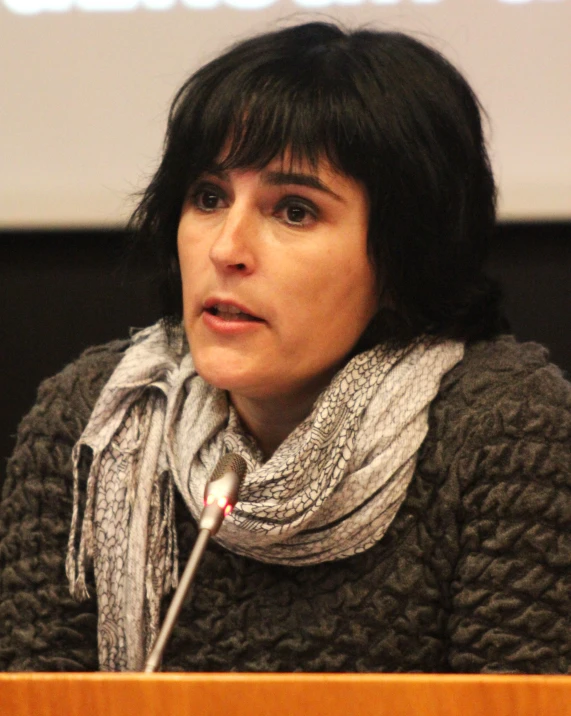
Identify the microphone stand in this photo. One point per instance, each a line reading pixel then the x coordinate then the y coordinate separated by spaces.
pixel 154 659
pixel 220 496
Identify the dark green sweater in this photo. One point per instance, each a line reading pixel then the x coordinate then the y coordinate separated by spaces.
pixel 474 574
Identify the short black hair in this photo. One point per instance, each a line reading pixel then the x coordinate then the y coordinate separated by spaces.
pixel 382 108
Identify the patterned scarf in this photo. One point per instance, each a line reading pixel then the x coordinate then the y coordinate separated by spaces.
pixel 329 491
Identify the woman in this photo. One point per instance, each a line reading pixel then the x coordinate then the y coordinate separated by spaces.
pixel 322 212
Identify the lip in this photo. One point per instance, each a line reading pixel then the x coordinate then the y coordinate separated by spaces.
pixel 234 327
pixel 215 300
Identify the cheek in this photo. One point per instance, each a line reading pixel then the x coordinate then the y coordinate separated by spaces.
pixel 184 263
pixel 333 311
pixel 191 262
pixel 347 286
pixel 186 244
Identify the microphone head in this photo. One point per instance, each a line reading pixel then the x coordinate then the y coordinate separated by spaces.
pixel 222 488
pixel 231 461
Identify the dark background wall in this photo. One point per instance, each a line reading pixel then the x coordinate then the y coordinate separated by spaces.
pixel 63 291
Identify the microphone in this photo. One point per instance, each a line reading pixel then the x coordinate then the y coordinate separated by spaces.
pixel 220 496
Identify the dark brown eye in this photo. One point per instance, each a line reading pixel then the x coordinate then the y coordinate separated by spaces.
pixel 296 214
pixel 296 211
pixel 207 200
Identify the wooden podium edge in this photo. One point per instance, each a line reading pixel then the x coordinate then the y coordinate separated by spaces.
pixel 238 694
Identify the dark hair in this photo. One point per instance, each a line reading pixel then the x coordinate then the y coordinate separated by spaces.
pixel 384 109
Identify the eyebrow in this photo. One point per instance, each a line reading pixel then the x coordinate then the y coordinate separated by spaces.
pixel 274 178
pixel 309 180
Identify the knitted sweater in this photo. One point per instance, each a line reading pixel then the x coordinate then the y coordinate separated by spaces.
pixel 473 575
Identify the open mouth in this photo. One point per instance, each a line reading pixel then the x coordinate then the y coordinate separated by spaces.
pixel 231 313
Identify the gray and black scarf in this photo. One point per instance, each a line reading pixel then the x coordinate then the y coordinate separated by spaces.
pixel 329 491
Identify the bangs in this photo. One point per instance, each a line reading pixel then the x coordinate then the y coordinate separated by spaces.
pixel 250 116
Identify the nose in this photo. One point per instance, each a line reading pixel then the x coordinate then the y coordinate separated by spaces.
pixel 233 248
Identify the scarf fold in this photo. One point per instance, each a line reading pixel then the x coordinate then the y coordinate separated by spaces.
pixel 329 491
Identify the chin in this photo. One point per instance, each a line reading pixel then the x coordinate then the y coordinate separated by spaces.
pixel 221 373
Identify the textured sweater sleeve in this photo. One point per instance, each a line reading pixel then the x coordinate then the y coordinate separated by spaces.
pixel 511 592
pixel 41 627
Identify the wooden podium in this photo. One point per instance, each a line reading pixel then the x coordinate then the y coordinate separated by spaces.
pixel 283 695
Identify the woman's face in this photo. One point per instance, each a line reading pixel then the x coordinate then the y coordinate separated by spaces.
pixel 277 285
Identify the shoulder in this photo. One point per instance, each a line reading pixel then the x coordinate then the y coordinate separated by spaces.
pixel 68 397
pixel 500 432
pixel 505 387
pixel 63 406
pixel 85 376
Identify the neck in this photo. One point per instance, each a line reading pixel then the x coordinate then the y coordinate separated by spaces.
pixel 271 421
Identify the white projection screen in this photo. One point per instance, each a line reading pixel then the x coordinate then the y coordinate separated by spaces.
pixel 86 86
